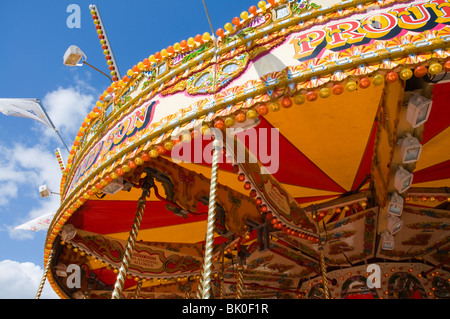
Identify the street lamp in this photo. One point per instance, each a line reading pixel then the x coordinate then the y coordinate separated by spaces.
pixel 74 55
pixel 45 191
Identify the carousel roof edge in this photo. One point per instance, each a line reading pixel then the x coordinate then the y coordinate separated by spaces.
pixel 434 44
pixel 121 87
pixel 428 47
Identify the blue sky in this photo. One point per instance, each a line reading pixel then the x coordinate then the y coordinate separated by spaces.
pixel 34 37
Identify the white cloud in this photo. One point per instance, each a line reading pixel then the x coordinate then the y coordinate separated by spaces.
pixel 40 165
pixel 26 168
pixel 23 168
pixel 21 281
pixel 8 190
pixel 32 167
pixel 67 108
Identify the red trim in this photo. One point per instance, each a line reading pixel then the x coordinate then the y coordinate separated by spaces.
pixel 439 118
pixel 433 173
pixel 106 217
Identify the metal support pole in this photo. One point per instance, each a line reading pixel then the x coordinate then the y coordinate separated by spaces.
pixel 44 276
pixel 239 282
pixel 222 275
pixel 53 125
pixel 204 285
pixel 137 292
pixel 93 67
pixel 188 290
pixel 121 276
pixel 323 268
pixel 222 286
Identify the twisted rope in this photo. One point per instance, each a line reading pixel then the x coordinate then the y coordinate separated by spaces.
pixel 44 276
pixel 121 276
pixel 198 292
pixel 137 292
pixel 188 292
pixel 222 284
pixel 323 268
pixel 205 278
pixel 240 282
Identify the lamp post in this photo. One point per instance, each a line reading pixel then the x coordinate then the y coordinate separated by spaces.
pixel 75 57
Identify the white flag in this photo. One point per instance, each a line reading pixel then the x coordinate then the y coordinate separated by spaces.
pixel 29 108
pixel 37 224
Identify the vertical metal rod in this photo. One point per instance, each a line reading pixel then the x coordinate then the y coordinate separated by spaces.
pixel 207 261
pixel 222 275
pixel 121 276
pixel 222 286
pixel 137 292
pixel 323 268
pixel 44 276
pixel 188 290
pixel 239 282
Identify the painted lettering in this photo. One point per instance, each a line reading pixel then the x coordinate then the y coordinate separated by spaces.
pixel 306 44
pixel 129 126
pixel 412 18
pixel 387 22
pixel 343 33
pixel 441 9
pixel 377 24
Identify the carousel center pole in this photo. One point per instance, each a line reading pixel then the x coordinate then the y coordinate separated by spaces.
pixel 44 276
pixel 203 291
pixel 222 275
pixel 121 276
pixel 207 261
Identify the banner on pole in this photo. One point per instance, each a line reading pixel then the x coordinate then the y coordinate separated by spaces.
pixel 29 108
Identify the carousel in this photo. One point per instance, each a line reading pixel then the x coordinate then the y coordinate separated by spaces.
pixel 299 152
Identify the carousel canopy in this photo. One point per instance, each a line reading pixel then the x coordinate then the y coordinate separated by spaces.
pixel 319 135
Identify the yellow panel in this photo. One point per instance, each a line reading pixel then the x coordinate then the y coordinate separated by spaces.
pixel 332 132
pixel 435 151
pixel 184 233
pixel 135 193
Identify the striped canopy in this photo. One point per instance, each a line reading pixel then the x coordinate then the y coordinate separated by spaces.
pixel 328 100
